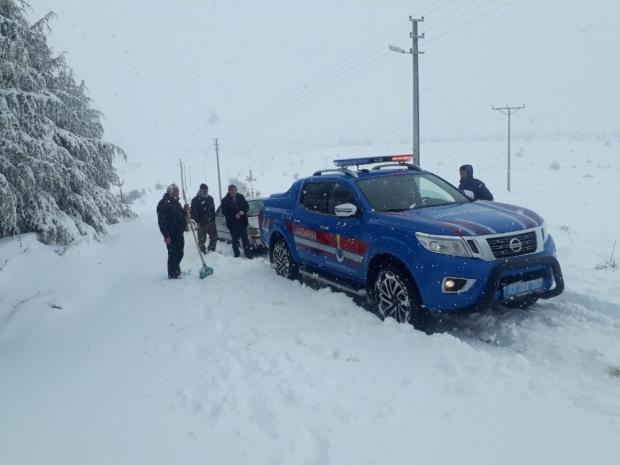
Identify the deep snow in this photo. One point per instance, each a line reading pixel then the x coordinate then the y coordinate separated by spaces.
pixel 104 361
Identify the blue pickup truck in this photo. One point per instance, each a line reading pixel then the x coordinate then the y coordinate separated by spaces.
pixel 408 241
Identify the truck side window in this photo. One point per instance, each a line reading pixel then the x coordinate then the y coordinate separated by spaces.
pixel 340 194
pixel 315 196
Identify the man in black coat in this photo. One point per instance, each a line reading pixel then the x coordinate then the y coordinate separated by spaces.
pixel 172 219
pixel 469 183
pixel 235 209
pixel 203 213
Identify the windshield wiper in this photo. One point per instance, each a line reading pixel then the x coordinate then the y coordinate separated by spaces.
pixel 436 205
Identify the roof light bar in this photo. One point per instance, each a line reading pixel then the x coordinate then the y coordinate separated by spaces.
pixel 370 160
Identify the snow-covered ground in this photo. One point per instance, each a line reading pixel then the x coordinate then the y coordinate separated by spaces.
pixel 104 361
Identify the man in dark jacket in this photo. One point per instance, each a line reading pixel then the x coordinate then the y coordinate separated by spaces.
pixel 203 213
pixel 172 219
pixel 235 209
pixel 469 183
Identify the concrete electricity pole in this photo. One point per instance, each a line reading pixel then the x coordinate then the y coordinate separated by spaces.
pixel 251 180
pixel 508 111
pixel 217 157
pixel 414 52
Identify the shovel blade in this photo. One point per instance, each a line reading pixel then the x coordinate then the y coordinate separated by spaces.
pixel 205 271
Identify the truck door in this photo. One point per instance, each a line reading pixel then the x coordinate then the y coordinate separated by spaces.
pixel 310 222
pixel 346 235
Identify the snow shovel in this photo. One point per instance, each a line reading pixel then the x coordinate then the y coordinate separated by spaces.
pixel 205 270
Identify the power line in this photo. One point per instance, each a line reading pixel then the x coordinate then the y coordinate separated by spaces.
pixel 599 83
pixel 340 78
pixel 460 26
pixel 430 12
pixel 353 56
pixel 312 99
pixel 356 60
pixel 376 57
pixel 437 23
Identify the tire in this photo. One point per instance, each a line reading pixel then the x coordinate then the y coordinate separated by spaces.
pixel 394 295
pixel 523 302
pixel 282 260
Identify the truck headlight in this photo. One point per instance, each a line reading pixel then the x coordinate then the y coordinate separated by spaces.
pixel 545 232
pixel 445 245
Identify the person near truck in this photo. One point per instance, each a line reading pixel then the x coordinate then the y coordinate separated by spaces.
pixel 172 219
pixel 469 183
pixel 235 209
pixel 203 213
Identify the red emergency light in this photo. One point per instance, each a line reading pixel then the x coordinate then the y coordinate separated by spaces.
pixel 400 158
pixel 370 160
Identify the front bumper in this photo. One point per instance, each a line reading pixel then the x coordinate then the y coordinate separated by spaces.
pixel 490 279
pixel 491 293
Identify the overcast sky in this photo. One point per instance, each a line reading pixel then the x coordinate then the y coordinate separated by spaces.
pixel 175 74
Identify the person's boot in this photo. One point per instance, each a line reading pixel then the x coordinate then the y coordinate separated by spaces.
pixel 248 254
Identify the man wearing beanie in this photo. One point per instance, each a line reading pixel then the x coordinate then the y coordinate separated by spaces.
pixel 203 213
pixel 172 220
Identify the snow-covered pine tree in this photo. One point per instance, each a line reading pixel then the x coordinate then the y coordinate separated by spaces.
pixel 55 169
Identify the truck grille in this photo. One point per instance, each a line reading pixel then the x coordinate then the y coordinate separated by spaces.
pixel 513 245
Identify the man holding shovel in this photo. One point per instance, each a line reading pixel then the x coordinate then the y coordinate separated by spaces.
pixel 172 219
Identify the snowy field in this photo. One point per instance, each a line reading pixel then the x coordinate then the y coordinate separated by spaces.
pixel 104 361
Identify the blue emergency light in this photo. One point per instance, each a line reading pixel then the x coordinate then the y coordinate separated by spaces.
pixel 370 160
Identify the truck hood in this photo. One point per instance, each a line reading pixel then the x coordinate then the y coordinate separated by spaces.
pixel 470 219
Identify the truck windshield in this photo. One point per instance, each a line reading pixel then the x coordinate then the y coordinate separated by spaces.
pixel 255 206
pixel 407 191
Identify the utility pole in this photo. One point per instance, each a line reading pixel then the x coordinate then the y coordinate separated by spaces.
pixel 251 180
pixel 414 52
pixel 508 111
pixel 416 88
pixel 217 157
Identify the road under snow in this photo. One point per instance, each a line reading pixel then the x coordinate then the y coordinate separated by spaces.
pixel 104 361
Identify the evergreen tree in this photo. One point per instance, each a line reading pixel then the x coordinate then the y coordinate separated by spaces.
pixel 55 169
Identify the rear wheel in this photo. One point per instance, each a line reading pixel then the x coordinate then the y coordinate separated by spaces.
pixel 282 260
pixel 394 296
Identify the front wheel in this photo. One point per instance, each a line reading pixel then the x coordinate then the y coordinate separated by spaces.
pixel 394 296
pixel 282 260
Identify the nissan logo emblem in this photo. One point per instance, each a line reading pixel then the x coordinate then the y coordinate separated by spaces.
pixel 515 245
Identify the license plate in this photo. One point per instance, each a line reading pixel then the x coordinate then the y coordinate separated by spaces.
pixel 523 288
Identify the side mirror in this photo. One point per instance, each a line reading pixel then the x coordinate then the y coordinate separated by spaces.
pixel 345 210
pixel 469 194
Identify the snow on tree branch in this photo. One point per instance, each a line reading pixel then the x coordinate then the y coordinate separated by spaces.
pixel 55 170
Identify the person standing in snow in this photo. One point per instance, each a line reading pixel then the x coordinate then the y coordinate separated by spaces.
pixel 469 183
pixel 172 219
pixel 203 213
pixel 235 209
